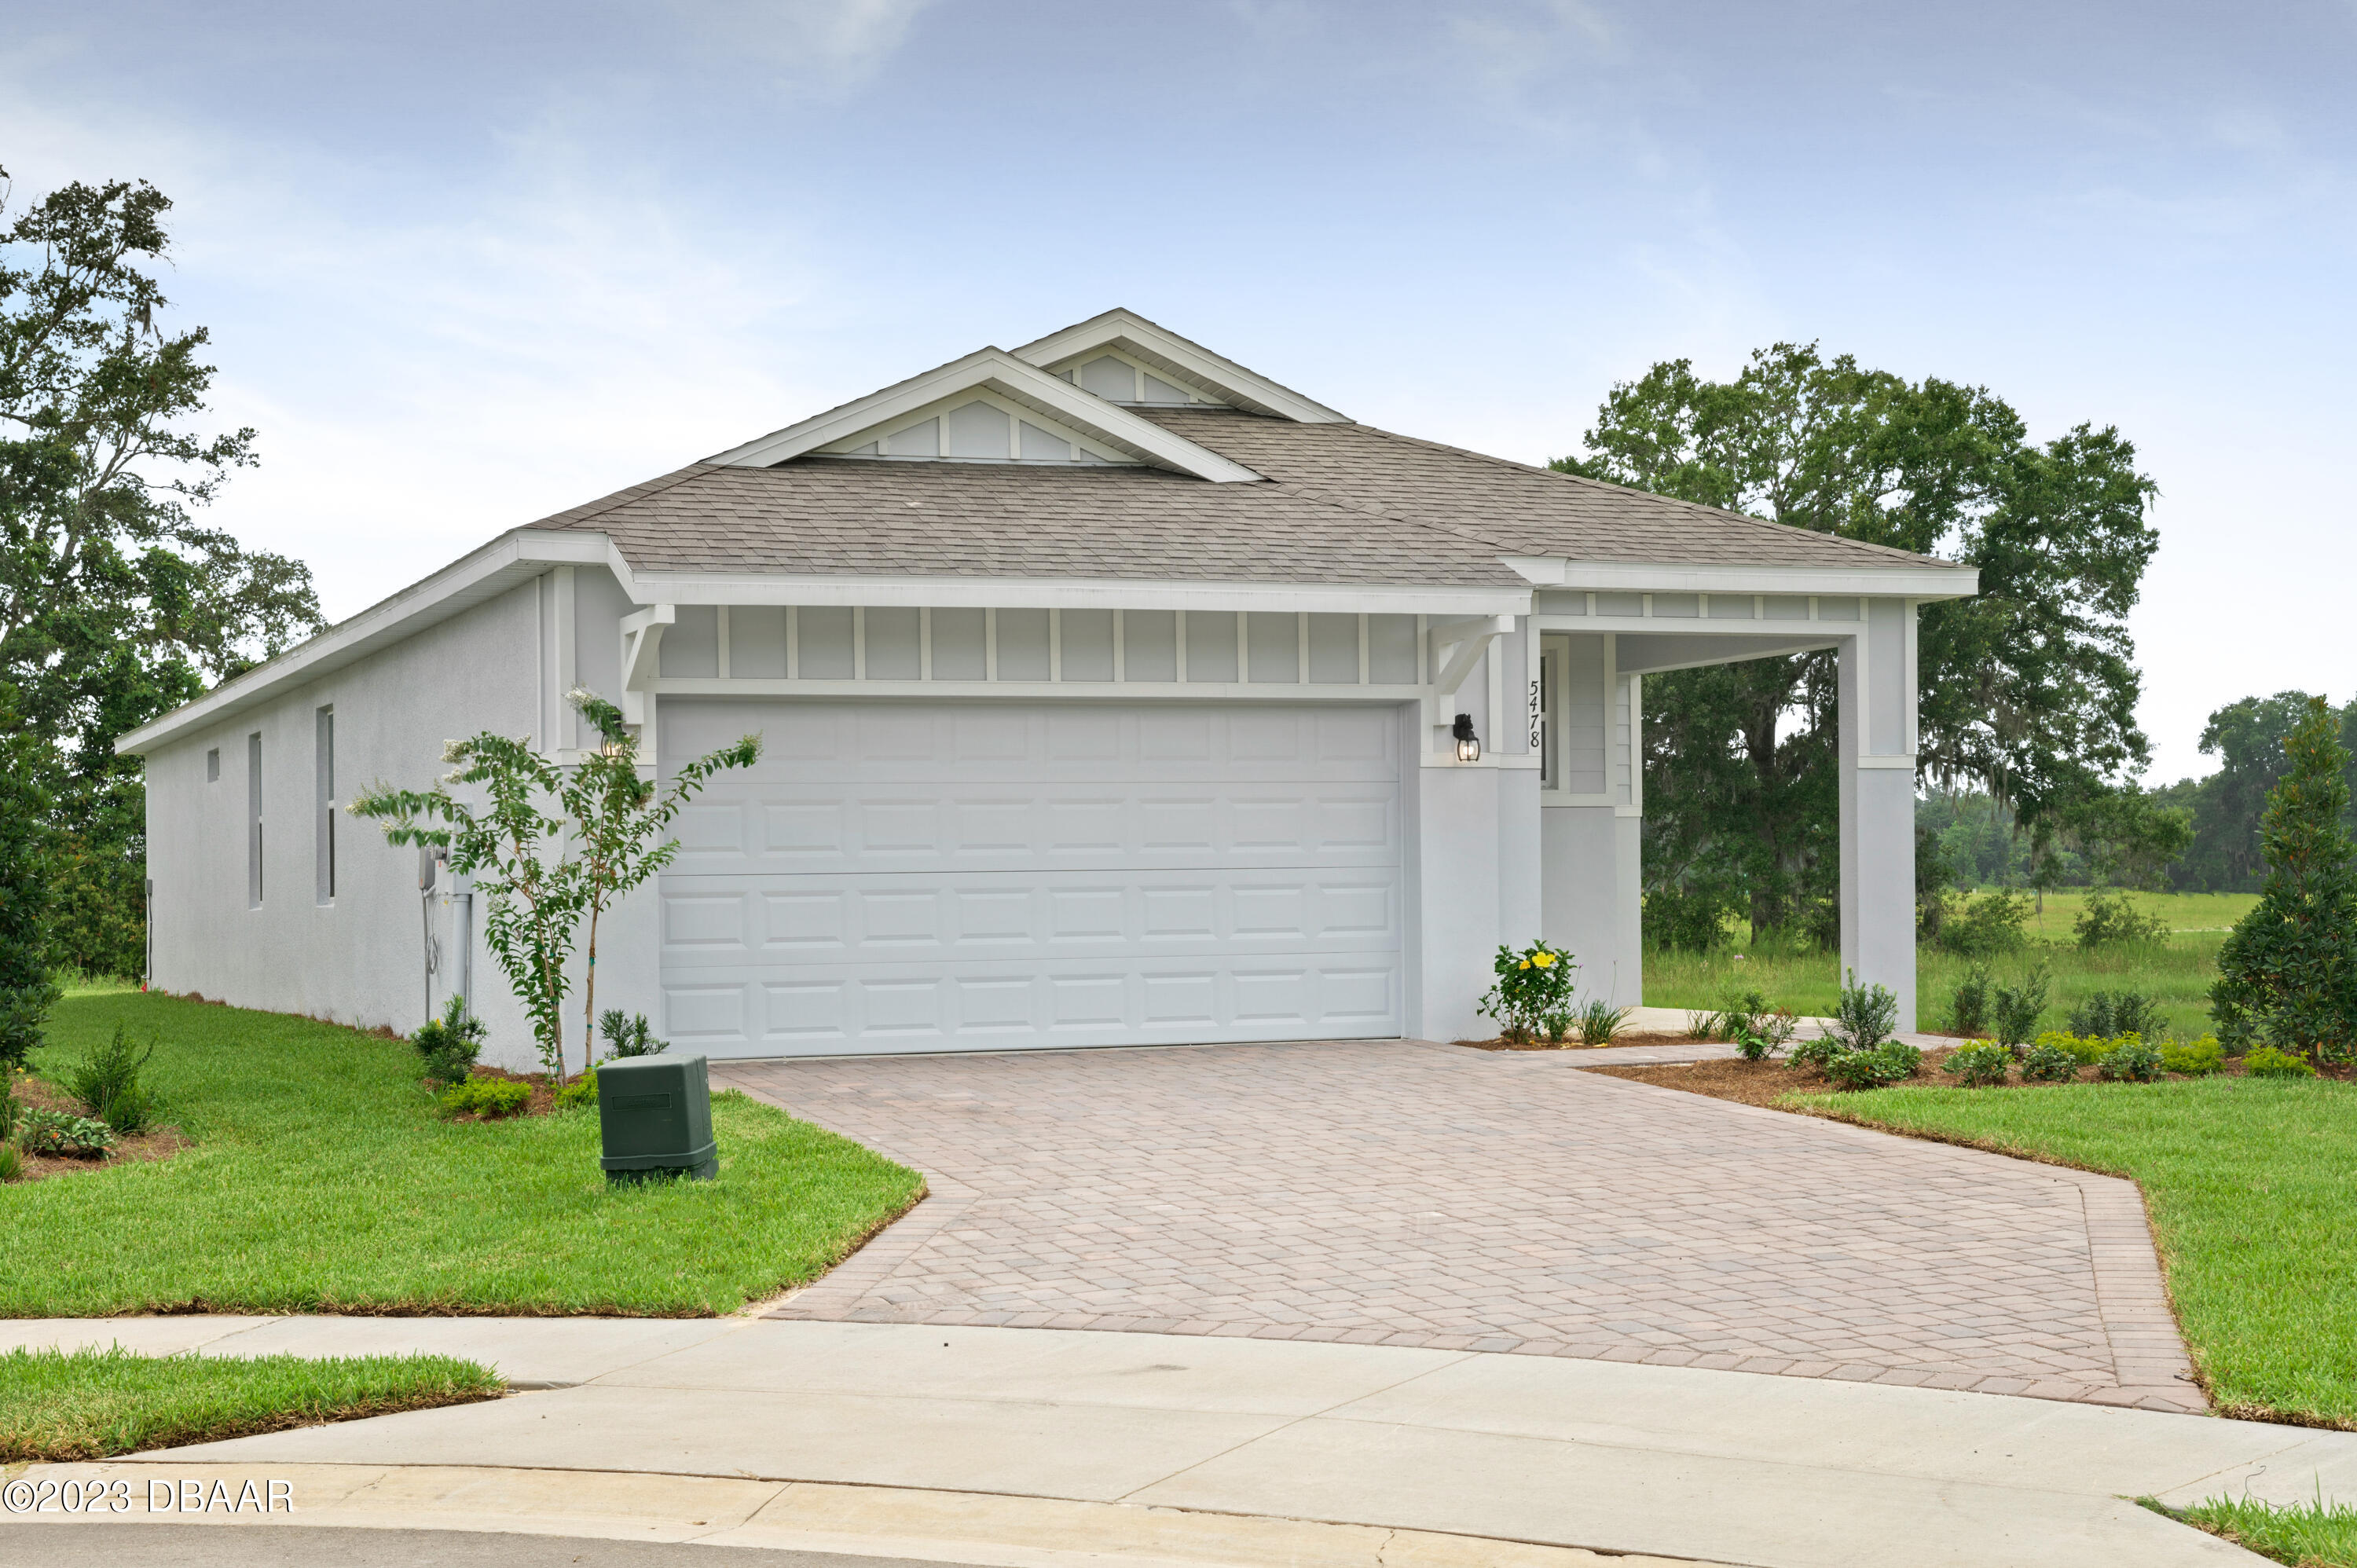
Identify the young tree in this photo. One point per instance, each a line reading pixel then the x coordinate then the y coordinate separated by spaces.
pixel 115 602
pixel 2026 689
pixel 25 992
pixel 2288 971
pixel 550 848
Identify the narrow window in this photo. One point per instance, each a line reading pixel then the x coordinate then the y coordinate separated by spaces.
pixel 254 820
pixel 1550 698
pixel 213 766
pixel 324 805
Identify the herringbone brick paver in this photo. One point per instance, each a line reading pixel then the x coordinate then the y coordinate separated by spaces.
pixel 1402 1193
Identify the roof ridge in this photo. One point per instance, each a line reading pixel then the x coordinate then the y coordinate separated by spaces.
pixel 1725 513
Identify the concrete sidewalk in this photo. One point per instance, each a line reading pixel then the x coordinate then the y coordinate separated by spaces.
pixel 1037 1445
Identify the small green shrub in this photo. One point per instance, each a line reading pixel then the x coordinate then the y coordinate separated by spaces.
pixel 1767 1034
pixel 66 1136
pixel 2130 1061
pixel 2047 1062
pixel 1987 926
pixel 2013 1010
pixel 1815 1051
pixel 1598 1022
pixel 2269 1062
pixel 8 1107
pixel 106 1081
pixel 2105 1013
pixel 1530 984
pixel 581 1091
pixel 12 1164
pixel 1968 1009
pixel 2194 1059
pixel 1864 1016
pixel 449 1044
pixel 2084 1050
pixel 1976 1066
pixel 2108 920
pixel 1886 1064
pixel 634 1036
pixel 489 1098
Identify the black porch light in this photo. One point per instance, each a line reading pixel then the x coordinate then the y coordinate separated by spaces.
pixel 1468 745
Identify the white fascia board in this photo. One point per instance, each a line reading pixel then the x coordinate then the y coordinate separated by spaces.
pixel 1165 350
pixel 1070 593
pixel 508 560
pixel 1009 377
pixel 1896 581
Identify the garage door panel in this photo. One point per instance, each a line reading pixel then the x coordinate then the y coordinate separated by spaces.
pixel 931 877
pixel 847 1010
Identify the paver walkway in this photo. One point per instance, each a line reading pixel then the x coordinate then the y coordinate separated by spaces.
pixel 1419 1194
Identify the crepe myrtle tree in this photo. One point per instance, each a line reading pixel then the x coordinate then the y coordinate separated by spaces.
pixel 551 848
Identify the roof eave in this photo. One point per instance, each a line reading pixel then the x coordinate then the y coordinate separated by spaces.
pixel 1924 579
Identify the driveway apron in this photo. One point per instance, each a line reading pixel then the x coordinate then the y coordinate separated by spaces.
pixel 1403 1193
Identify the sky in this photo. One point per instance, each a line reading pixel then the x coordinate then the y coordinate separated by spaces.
pixel 467 265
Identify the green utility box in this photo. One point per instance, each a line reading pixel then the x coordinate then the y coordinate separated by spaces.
pixel 656 1114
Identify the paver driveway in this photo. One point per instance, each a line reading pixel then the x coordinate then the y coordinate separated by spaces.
pixel 1414 1194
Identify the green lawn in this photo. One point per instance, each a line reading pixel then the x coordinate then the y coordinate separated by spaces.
pixel 2247 1181
pixel 2310 1535
pixel 321 1179
pixel 93 1404
pixel 2178 973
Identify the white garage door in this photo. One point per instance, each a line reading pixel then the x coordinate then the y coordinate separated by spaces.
pixel 983 877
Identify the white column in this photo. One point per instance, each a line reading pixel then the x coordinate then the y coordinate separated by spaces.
pixel 1878 801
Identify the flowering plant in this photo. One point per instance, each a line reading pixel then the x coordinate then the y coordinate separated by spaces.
pixel 1532 984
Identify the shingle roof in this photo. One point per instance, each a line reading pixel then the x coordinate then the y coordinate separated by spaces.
pixel 1343 504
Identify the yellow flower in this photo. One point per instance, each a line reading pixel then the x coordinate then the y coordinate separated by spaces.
pixel 1526 963
pixel 1544 959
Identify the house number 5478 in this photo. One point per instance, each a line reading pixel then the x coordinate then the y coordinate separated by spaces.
pixel 1538 738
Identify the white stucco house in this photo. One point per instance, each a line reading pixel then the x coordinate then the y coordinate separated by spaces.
pixel 1110 695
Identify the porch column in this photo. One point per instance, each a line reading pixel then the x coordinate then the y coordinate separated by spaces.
pixel 1878 801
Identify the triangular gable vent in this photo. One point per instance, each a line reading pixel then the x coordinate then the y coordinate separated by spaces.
pixel 978 427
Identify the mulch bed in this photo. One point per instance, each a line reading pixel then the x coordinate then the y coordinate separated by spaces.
pixel 159 1142
pixel 1628 1037
pixel 1764 1084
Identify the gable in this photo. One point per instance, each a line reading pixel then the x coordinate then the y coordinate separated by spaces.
pixel 1119 378
pixel 1179 365
pixel 978 426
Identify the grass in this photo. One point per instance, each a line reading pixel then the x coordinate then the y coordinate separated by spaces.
pixel 322 1180
pixel 90 1404
pixel 2177 973
pixel 2247 1183
pixel 2306 1535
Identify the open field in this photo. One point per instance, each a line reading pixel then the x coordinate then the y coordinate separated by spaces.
pixel 321 1179
pixel 2178 972
pixel 93 1404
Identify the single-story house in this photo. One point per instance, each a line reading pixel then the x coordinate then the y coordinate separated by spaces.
pixel 1111 693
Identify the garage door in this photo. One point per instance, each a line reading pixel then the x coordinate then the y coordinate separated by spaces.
pixel 985 876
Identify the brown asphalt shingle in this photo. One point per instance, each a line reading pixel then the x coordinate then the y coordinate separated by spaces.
pixel 1343 504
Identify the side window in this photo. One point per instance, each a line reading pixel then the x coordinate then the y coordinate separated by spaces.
pixel 213 766
pixel 254 820
pixel 324 803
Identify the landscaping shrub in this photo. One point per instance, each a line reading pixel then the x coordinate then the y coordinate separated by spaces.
pixel 1765 1033
pixel 2130 1061
pixel 2269 1062
pixel 68 1136
pixel 1987 926
pixel 1865 1017
pixel 2086 1050
pixel 2013 1010
pixel 2103 1013
pixel 2048 1062
pixel 634 1037
pixel 1530 984
pixel 449 1044
pixel 581 1091
pixel 8 1107
pixel 1968 1010
pixel 1886 1064
pixel 107 1083
pixel 1976 1066
pixel 1598 1021
pixel 2108 918
pixel 2195 1059
pixel 487 1097
pixel 12 1164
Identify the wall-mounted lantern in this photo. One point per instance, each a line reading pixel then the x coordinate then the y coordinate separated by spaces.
pixel 1468 745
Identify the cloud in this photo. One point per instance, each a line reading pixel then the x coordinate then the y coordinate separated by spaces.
pixel 833 46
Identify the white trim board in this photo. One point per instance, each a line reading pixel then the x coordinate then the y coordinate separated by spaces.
pixel 1926 580
pixel 996 370
pixel 1189 364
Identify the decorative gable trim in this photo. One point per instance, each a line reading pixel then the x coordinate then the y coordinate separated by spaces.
pixel 1179 360
pixel 996 370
